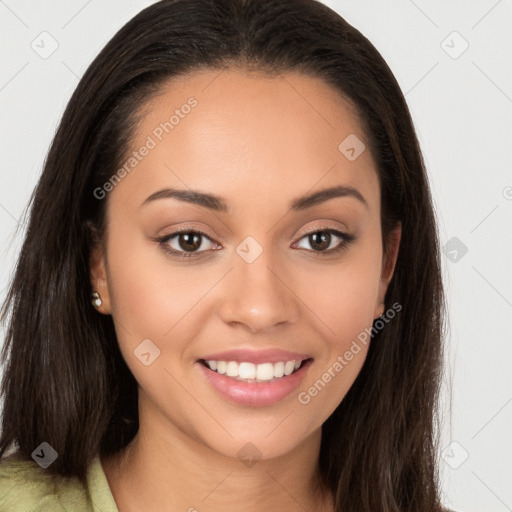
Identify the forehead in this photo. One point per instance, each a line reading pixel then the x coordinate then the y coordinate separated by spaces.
pixel 248 135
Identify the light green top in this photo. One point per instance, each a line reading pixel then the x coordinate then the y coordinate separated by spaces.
pixel 27 487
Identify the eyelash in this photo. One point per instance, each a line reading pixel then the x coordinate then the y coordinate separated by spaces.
pixel 347 239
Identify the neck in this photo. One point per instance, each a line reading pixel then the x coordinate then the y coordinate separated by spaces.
pixel 165 468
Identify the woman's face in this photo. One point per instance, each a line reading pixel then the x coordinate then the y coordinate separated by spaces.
pixel 282 273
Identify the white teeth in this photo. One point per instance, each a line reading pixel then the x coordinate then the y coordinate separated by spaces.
pixel 221 367
pixel 232 369
pixel 279 369
pixel 263 372
pixel 289 367
pixel 247 371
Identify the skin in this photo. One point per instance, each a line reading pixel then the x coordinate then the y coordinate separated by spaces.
pixel 259 143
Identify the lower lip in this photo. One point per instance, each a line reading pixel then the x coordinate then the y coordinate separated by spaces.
pixel 255 393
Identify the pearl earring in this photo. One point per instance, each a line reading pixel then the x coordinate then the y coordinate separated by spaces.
pixel 96 299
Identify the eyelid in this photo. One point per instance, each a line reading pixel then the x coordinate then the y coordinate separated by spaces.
pixel 323 226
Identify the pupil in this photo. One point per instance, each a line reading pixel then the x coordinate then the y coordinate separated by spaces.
pixel 325 240
pixel 192 241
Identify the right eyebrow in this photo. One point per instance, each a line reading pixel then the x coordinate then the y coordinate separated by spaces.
pixel 190 196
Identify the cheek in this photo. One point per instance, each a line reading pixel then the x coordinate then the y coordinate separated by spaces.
pixel 344 295
pixel 155 300
pixel 344 299
pixel 148 293
pixel 151 299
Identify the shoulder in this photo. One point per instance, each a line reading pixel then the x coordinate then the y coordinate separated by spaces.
pixel 27 487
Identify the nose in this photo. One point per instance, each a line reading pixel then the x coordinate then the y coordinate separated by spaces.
pixel 257 296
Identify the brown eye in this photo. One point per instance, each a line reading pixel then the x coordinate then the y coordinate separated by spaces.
pixel 325 241
pixel 187 243
pixel 320 241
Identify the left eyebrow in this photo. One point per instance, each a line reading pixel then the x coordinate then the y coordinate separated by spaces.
pixel 324 195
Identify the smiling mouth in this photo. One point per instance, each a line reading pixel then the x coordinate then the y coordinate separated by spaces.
pixel 250 372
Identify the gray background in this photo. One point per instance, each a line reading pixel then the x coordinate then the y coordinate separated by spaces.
pixel 461 102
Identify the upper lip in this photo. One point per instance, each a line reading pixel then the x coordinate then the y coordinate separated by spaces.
pixel 271 355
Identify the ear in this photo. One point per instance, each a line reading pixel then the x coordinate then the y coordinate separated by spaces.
pixel 388 267
pixel 98 276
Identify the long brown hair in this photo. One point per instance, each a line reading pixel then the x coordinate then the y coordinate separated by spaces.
pixel 65 381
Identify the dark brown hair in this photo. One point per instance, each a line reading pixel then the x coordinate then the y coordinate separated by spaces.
pixel 65 380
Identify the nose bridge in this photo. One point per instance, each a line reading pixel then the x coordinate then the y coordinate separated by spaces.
pixel 257 295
